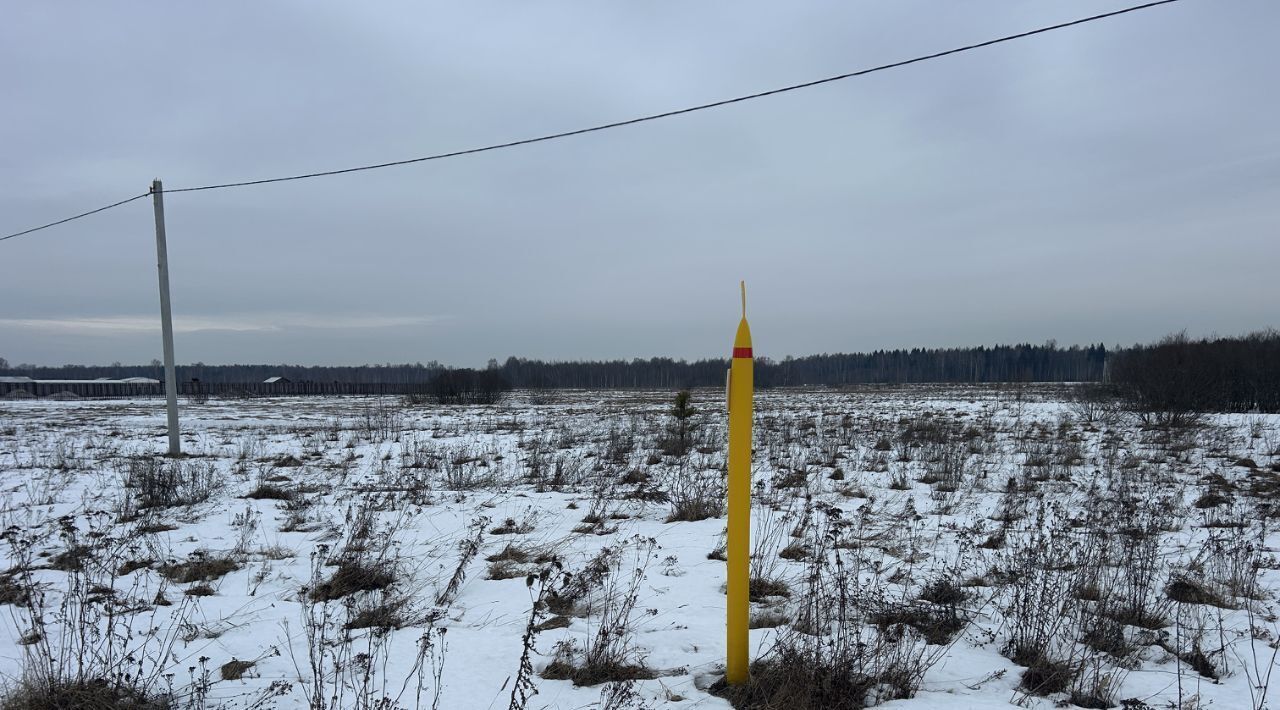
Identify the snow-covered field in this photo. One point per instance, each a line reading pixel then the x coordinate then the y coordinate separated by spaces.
pixel 333 552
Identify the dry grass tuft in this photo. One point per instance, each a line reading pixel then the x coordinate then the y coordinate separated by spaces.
pixel 790 681
pixel 595 674
pixel 354 576
pixel 99 694
pixel 1187 591
pixel 384 615
pixel 268 491
pixel 937 626
pixel 1046 677
pixel 235 669
pixel 200 566
pixel 760 589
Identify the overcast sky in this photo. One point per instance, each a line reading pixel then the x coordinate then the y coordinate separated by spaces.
pixel 1105 183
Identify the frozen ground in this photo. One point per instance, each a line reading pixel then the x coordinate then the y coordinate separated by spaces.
pixel 351 549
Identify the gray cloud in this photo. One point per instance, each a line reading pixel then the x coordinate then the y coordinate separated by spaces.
pixel 1105 183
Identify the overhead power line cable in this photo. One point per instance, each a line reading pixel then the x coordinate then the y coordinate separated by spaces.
pixel 640 119
pixel 71 219
pixel 682 111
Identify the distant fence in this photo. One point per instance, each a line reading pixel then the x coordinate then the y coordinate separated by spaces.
pixel 90 389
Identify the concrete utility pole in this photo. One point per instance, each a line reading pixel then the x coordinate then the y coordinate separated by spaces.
pixel 166 320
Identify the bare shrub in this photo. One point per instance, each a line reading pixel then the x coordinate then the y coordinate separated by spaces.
pixel 162 483
pixel 1134 594
pixel 1040 610
pixel 1233 560
pixel 832 658
pixel 468 548
pixel 90 642
pixel 1198 640
pixel 1092 402
pixel 1096 684
pixel 618 448
pixel 1106 635
pixel 946 465
pixel 465 468
pixel 467 386
pixel 524 687
pixel 769 534
pixel 380 421
pixel 608 654
pixel 569 596
pixel 346 662
pixel 936 625
pixel 695 494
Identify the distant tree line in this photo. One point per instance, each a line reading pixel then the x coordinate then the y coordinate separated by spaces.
pixel 1002 363
pixel 1181 375
pixel 1174 374
pixel 238 374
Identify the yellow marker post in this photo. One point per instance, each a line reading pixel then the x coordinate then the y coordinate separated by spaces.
pixel 738 544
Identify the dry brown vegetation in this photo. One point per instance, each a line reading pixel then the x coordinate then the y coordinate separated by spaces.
pixel 1070 541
